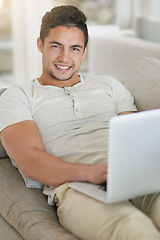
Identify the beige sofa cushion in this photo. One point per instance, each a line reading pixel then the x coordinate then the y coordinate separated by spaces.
pixel 7 232
pixel 26 209
pixel 144 83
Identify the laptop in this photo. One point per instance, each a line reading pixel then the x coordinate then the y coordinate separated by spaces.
pixel 133 159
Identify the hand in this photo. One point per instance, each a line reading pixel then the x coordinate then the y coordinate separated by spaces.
pixel 97 173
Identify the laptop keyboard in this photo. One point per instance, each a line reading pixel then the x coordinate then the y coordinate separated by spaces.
pixel 103 187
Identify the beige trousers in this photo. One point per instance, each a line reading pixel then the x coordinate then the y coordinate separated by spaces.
pixel 90 219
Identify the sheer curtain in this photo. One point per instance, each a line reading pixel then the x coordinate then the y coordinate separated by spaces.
pixel 26 20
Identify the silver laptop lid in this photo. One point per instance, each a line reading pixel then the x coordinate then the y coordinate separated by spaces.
pixel 134 155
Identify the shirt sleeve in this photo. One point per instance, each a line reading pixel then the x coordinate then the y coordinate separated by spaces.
pixel 14 107
pixel 122 97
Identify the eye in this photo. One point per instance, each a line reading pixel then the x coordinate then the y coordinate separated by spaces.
pixel 75 49
pixel 55 46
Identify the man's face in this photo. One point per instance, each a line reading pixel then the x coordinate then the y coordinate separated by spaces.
pixel 63 51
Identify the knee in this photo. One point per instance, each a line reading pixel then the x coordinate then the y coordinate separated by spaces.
pixel 150 205
pixel 129 226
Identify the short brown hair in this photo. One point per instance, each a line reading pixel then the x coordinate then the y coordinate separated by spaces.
pixel 65 15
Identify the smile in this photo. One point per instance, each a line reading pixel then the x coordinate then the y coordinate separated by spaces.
pixel 62 67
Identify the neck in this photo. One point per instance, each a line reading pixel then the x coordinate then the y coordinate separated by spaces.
pixel 47 79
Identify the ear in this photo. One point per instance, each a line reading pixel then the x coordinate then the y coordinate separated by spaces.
pixel 40 45
pixel 85 52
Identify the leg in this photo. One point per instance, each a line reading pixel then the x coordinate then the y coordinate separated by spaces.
pixel 89 219
pixel 150 205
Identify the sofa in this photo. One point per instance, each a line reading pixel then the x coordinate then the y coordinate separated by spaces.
pixel 24 212
pixel 114 51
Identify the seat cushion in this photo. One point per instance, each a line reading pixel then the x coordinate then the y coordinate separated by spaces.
pixel 26 209
pixel 144 83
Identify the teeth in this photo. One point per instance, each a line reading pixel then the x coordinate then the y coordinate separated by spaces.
pixel 63 67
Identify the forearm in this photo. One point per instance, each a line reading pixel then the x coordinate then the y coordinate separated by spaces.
pixel 48 169
pixel 53 171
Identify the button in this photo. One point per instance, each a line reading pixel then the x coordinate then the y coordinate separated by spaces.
pixel 67 90
pixel 76 110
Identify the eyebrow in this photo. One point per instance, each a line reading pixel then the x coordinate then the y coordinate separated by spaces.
pixel 76 45
pixel 54 42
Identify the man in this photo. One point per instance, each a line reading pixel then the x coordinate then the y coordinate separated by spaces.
pixel 55 129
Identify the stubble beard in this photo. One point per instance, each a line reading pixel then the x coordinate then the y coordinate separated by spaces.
pixel 61 79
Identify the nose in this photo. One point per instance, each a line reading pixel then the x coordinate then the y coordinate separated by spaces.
pixel 63 56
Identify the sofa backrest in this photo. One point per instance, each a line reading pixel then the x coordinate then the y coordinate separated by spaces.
pixel 144 83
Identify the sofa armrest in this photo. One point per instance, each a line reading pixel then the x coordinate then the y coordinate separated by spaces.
pixel 26 209
pixel 7 231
